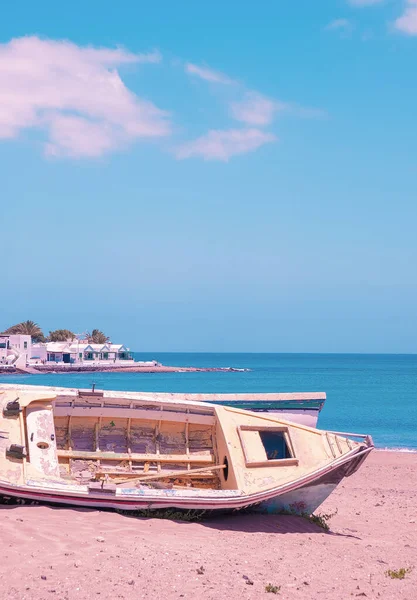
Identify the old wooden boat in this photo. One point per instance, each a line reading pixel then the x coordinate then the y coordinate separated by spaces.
pixel 108 449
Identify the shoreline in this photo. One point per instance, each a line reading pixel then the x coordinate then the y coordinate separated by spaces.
pixel 41 369
pixel 399 449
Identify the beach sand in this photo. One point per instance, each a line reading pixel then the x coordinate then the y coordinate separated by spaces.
pixel 78 554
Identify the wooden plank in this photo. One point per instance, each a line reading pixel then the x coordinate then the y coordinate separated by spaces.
pixel 338 444
pixel 171 474
pixel 134 474
pixel 279 462
pixel 331 445
pixel 69 431
pixel 129 449
pixel 158 452
pixel 282 428
pixel 167 458
pixel 96 436
pixel 187 447
pixel 132 413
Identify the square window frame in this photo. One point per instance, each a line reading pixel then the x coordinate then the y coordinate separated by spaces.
pixel 282 462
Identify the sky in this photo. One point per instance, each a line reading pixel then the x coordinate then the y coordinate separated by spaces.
pixel 212 176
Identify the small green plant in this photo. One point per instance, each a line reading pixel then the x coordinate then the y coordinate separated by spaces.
pixel 398 573
pixel 272 589
pixel 166 513
pixel 321 520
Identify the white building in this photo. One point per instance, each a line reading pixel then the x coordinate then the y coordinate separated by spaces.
pixel 15 350
pixel 80 352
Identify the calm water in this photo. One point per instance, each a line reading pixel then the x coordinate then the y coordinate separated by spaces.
pixel 374 394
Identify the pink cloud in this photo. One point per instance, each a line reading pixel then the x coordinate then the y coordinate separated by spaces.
pixel 223 144
pixel 207 74
pixel 407 23
pixel 75 95
pixel 76 136
pixel 255 109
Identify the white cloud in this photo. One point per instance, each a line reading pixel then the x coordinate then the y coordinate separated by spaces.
pixel 407 23
pixel 207 74
pixel 364 2
pixel 339 24
pixel 75 95
pixel 223 144
pixel 255 109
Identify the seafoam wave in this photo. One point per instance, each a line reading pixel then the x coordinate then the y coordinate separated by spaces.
pixel 386 449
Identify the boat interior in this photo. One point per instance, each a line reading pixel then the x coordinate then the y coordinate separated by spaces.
pixel 120 440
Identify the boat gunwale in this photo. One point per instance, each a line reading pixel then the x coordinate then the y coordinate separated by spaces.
pixel 178 397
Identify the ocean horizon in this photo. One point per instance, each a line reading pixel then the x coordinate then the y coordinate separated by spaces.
pixel 366 393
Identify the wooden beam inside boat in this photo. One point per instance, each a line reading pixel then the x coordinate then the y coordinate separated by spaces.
pixel 168 458
pixel 133 413
pixel 171 474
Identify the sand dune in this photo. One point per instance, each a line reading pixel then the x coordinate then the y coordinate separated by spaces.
pixel 72 554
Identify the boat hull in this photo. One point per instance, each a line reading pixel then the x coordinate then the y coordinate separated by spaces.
pixel 301 497
pixel 308 497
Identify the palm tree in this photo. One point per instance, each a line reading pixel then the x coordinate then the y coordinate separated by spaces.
pixel 97 337
pixel 61 335
pixel 27 328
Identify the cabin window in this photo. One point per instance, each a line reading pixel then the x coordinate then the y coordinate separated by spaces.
pixel 275 445
pixel 267 446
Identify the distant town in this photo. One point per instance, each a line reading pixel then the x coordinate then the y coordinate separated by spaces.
pixel 25 349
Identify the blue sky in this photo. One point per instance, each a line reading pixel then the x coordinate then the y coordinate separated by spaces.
pixel 213 176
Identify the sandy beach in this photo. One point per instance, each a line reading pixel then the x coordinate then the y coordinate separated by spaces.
pixel 78 554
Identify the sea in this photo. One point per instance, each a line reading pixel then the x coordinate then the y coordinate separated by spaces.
pixel 366 393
